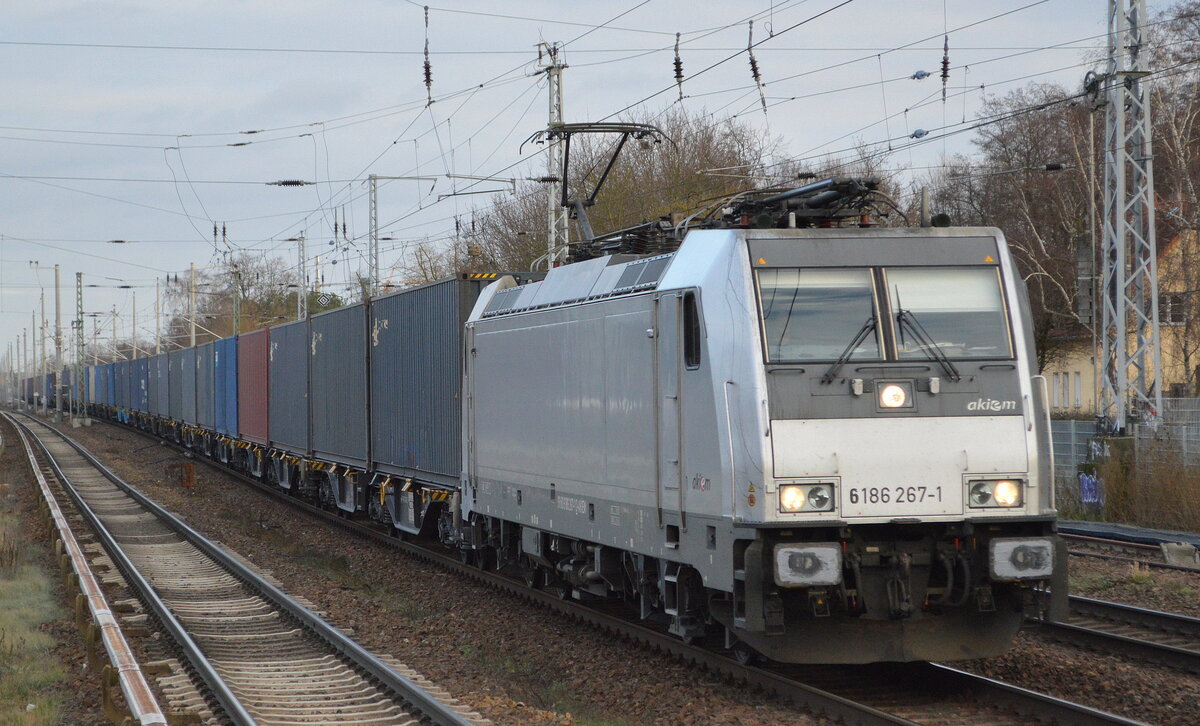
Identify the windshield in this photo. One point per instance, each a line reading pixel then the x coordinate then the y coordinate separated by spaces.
pixel 961 309
pixel 813 314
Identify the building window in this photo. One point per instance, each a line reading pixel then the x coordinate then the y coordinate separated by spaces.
pixel 1078 389
pixel 1172 308
pixel 1054 387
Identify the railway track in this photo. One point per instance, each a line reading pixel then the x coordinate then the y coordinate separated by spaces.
pixel 914 693
pixel 262 657
pixel 1120 551
pixel 1150 635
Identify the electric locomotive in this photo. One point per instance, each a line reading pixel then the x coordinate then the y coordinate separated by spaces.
pixel 826 445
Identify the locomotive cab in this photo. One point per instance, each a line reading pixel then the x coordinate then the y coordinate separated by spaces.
pixel 905 510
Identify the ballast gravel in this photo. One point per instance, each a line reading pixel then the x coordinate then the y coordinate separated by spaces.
pixel 518 664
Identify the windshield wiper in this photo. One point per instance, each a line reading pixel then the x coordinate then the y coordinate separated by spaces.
pixel 933 351
pixel 859 337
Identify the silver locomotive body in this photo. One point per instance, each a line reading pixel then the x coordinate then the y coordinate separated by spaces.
pixel 829 445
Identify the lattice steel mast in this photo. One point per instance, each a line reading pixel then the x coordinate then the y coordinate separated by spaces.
pixel 557 231
pixel 1131 351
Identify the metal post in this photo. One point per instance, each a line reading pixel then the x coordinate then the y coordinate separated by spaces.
pixel 192 305
pixel 557 231
pixel 237 301
pixel 58 344
pixel 81 405
pixel 1131 340
pixel 45 366
pixel 116 351
pixel 133 334
pixel 373 207
pixel 42 365
pixel 302 280
pixel 157 320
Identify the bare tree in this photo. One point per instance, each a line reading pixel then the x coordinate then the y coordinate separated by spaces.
pixel 244 292
pixel 1030 179
pixel 707 158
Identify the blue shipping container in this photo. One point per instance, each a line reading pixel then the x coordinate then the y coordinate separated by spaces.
pixel 139 385
pixel 187 386
pixel 225 371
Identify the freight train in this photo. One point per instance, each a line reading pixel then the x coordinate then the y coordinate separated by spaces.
pixel 822 443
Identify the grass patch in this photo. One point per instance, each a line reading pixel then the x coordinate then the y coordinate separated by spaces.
pixel 562 700
pixel 404 606
pixel 1091 583
pixel 30 674
pixel 536 684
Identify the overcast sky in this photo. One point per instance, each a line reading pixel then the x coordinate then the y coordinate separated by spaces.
pixel 148 121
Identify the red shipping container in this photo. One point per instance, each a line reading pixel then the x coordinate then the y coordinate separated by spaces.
pixel 253 369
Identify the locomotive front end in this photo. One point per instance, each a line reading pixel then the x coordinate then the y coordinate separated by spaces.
pixel 905 509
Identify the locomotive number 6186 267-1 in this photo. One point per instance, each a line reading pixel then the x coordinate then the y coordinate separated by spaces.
pixel 897 495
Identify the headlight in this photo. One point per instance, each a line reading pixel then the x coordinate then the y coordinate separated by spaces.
pixel 792 498
pixel 894 394
pixel 996 493
pixel 805 497
pixel 1007 493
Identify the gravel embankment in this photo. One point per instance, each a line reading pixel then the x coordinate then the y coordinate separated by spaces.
pixel 1144 692
pixel 514 663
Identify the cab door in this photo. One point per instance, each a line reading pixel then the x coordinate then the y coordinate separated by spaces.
pixel 667 363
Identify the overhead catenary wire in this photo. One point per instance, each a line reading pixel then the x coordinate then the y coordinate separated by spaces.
pixel 451 146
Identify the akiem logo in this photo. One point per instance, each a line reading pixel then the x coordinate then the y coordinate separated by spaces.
pixel 991 404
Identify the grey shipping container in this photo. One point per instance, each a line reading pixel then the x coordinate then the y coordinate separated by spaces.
pixel 206 415
pixel 253 390
pixel 338 385
pixel 288 362
pixel 416 379
pixel 175 385
pixel 187 386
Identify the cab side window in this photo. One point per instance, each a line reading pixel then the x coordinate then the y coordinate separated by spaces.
pixel 691 331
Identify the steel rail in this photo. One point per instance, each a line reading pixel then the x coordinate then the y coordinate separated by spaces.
pixel 1031 703
pixel 821 701
pixel 1143 645
pixel 139 697
pixel 1127 547
pixel 434 710
pixel 220 691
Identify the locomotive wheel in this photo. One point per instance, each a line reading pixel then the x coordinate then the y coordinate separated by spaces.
pixel 485 559
pixel 745 655
pixel 532 575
